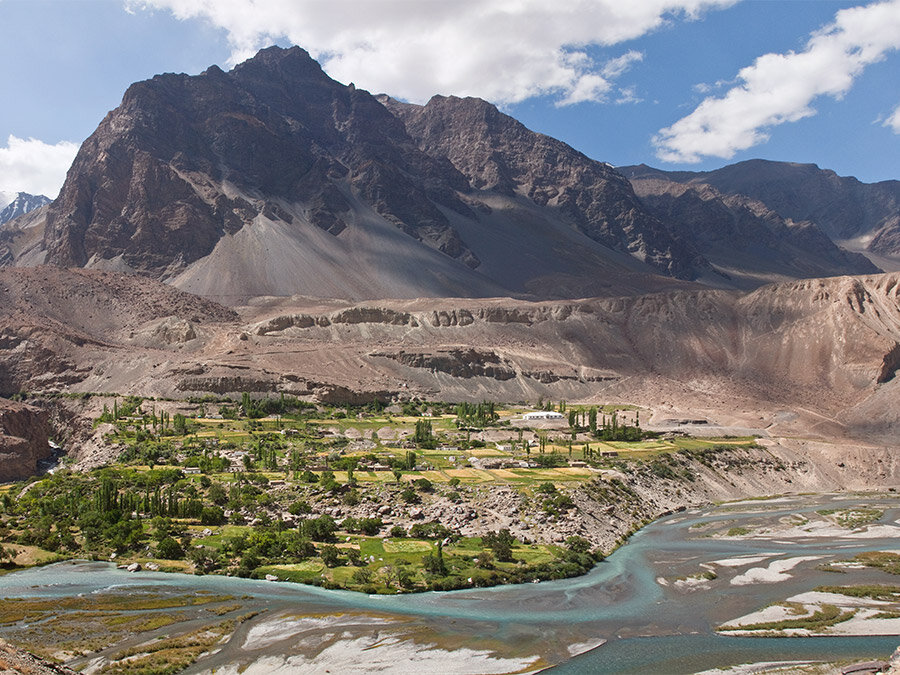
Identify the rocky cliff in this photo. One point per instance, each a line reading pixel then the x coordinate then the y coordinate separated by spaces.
pixel 497 153
pixel 24 436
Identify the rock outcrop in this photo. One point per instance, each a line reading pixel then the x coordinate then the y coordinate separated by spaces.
pixel 24 436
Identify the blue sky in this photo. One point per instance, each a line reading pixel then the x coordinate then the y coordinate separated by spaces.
pixel 678 84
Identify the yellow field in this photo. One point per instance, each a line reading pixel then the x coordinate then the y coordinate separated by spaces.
pixel 402 546
pixel 504 474
pixel 487 452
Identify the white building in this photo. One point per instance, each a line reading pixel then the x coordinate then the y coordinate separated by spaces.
pixel 543 415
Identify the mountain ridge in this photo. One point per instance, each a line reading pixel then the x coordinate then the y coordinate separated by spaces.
pixel 272 179
pixel 864 217
pixel 21 204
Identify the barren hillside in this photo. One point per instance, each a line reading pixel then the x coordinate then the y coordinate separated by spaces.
pixel 817 354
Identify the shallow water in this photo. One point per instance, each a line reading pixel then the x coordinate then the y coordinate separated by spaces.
pixel 649 627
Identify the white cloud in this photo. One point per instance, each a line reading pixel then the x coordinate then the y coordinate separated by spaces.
pixel 780 88
pixel 893 121
pixel 502 50
pixel 616 67
pixel 30 165
pixel 628 95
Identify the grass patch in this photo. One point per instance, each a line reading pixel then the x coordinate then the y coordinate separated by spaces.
pixel 738 531
pixel 825 616
pixel 875 592
pixel 887 562
pixel 406 546
pixel 168 656
pixel 852 519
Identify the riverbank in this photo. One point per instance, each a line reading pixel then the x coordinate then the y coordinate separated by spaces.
pixel 66 608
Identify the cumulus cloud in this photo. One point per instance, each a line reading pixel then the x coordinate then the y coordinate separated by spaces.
pixel 502 50
pixel 893 121
pixel 780 88
pixel 30 165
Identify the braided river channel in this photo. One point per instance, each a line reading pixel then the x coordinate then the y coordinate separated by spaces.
pixel 653 606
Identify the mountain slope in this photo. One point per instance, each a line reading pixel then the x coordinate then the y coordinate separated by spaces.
pixel 742 237
pixel 498 154
pixel 822 352
pixel 273 179
pixel 863 217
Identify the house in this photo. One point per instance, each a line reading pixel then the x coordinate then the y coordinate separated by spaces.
pixel 543 415
pixel 191 469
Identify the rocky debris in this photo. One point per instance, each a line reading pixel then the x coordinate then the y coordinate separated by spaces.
pixel 24 440
pixel 15 661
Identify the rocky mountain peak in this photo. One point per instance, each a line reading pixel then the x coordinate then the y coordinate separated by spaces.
pixel 497 153
pixel 22 203
pixel 187 160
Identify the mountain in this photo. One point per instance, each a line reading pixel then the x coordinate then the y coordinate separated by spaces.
pixel 497 154
pixel 273 179
pixel 861 216
pixel 742 237
pixel 21 204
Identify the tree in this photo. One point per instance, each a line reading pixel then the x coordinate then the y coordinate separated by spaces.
pixel 179 424
pixel 217 494
pixel 212 515
pixel 330 555
pixel 500 543
pixel 362 576
pixel 410 496
pixel 423 436
pixel 486 560
pixel 169 549
pixel 434 564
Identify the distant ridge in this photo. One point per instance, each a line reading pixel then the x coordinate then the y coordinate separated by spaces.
pixel 20 205
pixel 863 217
